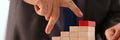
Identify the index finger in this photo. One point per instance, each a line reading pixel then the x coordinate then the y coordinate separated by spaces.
pixel 75 9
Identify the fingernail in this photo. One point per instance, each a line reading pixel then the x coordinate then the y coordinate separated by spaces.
pixel 81 14
pixel 47 32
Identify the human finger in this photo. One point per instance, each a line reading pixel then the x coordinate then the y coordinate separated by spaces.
pixel 116 35
pixel 109 33
pixel 47 18
pixel 119 38
pixel 41 7
pixel 53 18
pixel 75 9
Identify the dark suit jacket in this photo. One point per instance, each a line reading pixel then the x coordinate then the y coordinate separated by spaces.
pixel 25 24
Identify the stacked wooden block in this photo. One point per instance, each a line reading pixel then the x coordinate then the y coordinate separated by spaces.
pixel 86 31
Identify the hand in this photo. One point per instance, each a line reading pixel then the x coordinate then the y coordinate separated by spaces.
pixel 50 10
pixel 113 33
pixel 32 2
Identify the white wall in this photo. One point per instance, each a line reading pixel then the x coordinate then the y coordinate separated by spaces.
pixel 4 6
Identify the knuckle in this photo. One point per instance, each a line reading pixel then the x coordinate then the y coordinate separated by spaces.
pixel 42 13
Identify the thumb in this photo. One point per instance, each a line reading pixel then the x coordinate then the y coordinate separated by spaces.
pixel 109 33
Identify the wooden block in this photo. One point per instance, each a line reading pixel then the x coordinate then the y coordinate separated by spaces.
pixel 86 38
pixel 91 38
pixel 83 38
pixel 91 35
pixel 74 34
pixel 65 38
pixel 91 29
pixel 87 23
pixel 83 29
pixel 65 34
pixel 86 29
pixel 56 38
pixel 74 38
pixel 86 34
pixel 83 34
pixel 74 28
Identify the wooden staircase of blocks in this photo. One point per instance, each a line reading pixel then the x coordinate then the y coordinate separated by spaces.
pixel 85 31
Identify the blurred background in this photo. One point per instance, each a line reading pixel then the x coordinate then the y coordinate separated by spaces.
pixel 4 7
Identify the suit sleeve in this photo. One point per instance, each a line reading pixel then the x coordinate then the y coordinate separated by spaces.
pixel 113 16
